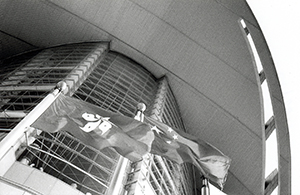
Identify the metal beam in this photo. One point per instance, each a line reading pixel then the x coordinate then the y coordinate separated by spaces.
pixel 271 182
pixel 28 88
pixel 262 76
pixel 269 127
pixel 12 114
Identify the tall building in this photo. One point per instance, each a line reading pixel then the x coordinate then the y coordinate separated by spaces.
pixel 201 66
pixel 101 77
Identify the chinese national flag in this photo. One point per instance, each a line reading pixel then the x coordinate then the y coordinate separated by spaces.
pixel 181 147
pixel 97 127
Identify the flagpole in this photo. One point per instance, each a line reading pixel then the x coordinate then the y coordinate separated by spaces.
pixel 139 116
pixel 204 188
pixel 116 184
pixel 16 136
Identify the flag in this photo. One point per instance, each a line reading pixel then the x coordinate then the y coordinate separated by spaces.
pixel 181 147
pixel 97 127
pixel 131 138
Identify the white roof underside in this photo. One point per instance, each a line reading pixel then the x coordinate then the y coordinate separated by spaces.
pixel 198 45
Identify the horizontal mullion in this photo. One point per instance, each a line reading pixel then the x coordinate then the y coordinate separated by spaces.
pixel 25 88
pixel 58 144
pixel 48 68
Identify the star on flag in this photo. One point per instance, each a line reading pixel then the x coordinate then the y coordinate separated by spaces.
pixel 133 139
pixel 170 134
pixel 175 137
pixel 170 129
pixel 154 128
pixel 178 146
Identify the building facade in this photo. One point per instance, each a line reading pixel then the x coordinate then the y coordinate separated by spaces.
pixel 61 163
pixel 213 53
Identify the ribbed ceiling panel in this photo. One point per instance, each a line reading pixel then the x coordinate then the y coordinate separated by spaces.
pixel 198 45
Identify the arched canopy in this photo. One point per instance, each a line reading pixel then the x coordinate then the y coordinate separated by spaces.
pixel 199 45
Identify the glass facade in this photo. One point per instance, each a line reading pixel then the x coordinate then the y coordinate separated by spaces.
pixel 116 83
pixel 25 80
pixel 170 177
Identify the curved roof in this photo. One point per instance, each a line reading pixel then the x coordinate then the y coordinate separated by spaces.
pixel 199 45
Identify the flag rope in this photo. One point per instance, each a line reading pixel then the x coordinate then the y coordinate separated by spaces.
pixel 17 133
pixel 58 143
pixel 47 164
pixel 117 180
pixel 67 162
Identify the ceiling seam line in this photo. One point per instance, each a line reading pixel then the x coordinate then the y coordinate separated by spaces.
pixel 221 4
pixel 286 160
pixel 217 106
pixel 239 181
pixel 257 136
pixel 197 43
pixel 83 19
pixel 18 38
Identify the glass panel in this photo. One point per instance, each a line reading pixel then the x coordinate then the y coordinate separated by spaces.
pixel 117 84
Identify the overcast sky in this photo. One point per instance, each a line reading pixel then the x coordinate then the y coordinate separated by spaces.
pixel 279 21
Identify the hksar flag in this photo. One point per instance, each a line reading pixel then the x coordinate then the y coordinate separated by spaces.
pixel 181 147
pixel 97 127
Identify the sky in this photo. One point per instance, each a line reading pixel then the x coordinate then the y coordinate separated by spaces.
pixel 279 21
